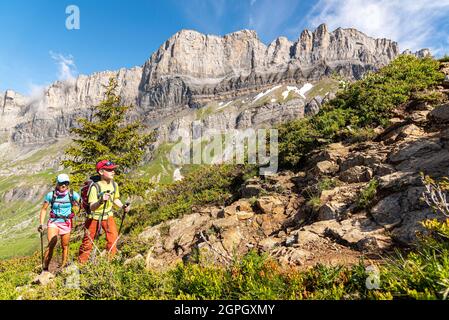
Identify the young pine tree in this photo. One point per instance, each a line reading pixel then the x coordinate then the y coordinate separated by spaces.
pixel 107 136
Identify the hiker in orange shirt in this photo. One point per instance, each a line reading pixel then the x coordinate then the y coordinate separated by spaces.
pixel 102 196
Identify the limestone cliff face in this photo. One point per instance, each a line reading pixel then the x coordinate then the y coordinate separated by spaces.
pixel 88 90
pixel 10 109
pixel 190 69
pixel 347 45
pixel 52 114
pixel 10 101
pixel 199 66
pixel 232 118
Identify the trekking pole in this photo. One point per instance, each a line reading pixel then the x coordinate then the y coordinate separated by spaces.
pixel 123 217
pixel 121 225
pixel 98 233
pixel 77 214
pixel 74 226
pixel 42 248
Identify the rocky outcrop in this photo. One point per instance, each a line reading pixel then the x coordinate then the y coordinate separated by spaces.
pixel 440 114
pixel 24 193
pixel 274 223
pixel 316 215
pixel 313 106
pixel 423 53
pixel 11 104
pixel 44 278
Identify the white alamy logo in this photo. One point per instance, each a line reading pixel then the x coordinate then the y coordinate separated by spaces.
pixel 73 279
pixel 73 21
pixel 373 279
pixel 227 147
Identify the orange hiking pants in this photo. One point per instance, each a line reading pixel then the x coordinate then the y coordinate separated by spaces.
pixel 91 227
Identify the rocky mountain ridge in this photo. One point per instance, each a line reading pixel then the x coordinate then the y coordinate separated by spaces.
pixel 191 69
pixel 205 65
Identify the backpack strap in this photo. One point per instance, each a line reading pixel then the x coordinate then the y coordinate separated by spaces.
pixel 97 186
pixel 73 202
pixel 53 215
pixel 53 199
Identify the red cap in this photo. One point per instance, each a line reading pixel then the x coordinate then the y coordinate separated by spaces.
pixel 105 164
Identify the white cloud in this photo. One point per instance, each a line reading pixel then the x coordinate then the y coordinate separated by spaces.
pixel 413 24
pixel 36 91
pixel 36 97
pixel 66 66
pixel 67 73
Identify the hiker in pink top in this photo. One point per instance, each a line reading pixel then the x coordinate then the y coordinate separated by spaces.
pixel 63 203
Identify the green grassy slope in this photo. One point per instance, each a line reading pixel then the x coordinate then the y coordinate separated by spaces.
pixel 19 217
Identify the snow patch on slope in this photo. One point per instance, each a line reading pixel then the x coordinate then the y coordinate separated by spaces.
pixel 225 105
pixel 260 95
pixel 301 91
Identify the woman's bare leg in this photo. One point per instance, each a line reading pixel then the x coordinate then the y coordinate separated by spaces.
pixel 52 236
pixel 65 239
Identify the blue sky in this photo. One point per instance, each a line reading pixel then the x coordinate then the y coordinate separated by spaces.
pixel 37 49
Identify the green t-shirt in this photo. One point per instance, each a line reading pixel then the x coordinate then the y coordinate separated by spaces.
pixel 93 197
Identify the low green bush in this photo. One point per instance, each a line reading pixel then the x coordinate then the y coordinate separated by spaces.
pixel 328 183
pixel 367 195
pixel 432 97
pixel 423 273
pixel 314 202
pixel 216 184
pixel 15 273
